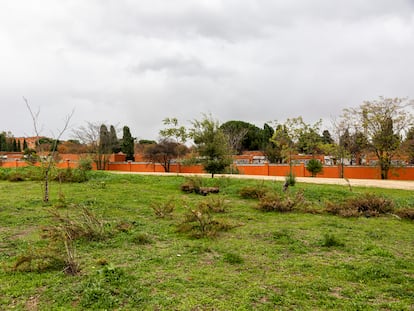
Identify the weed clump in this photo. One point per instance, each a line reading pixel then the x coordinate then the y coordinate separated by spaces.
pixel 368 205
pixel 217 204
pixel 330 240
pixel 61 236
pixel 164 209
pixel 252 192
pixel 199 222
pixel 274 202
pixel 406 213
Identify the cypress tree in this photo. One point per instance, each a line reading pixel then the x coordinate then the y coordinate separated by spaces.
pixel 3 142
pixel 104 140
pixel 14 145
pixel 114 140
pixel 127 146
pixel 25 146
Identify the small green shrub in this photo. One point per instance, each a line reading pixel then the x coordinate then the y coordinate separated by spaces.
pixel 330 240
pixel 274 202
pixel 16 176
pixel 105 290
pixel 40 260
pixel 233 258
pixel 290 180
pixel 69 175
pixel 85 164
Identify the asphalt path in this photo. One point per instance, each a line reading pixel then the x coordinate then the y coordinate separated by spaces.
pixel 378 183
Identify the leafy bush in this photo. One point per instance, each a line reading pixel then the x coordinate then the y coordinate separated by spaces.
pixel 16 176
pixel 85 164
pixel 252 192
pixel 4 173
pixel 365 205
pixel 274 202
pixel 71 175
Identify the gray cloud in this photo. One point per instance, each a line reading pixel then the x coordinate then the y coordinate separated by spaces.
pixel 134 63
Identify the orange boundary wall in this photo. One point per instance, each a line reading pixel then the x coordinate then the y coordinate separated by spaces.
pixel 351 172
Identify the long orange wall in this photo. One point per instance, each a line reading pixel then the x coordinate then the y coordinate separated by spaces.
pixel 351 172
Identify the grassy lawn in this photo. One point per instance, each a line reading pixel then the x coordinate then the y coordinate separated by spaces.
pixel 262 261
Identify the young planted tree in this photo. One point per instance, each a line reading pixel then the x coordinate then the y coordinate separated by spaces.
pixel 211 144
pixel 175 133
pixel 49 161
pixel 382 121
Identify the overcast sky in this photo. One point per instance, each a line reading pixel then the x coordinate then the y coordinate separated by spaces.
pixel 127 62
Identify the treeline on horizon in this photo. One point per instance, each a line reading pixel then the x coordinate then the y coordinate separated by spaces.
pixel 382 127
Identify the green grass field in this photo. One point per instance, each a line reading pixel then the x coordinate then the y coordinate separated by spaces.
pixel 262 261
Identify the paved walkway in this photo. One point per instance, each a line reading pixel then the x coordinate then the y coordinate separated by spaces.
pixel 392 184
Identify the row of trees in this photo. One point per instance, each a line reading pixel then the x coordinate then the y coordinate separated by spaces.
pixel 10 144
pixel 380 128
pixel 102 142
